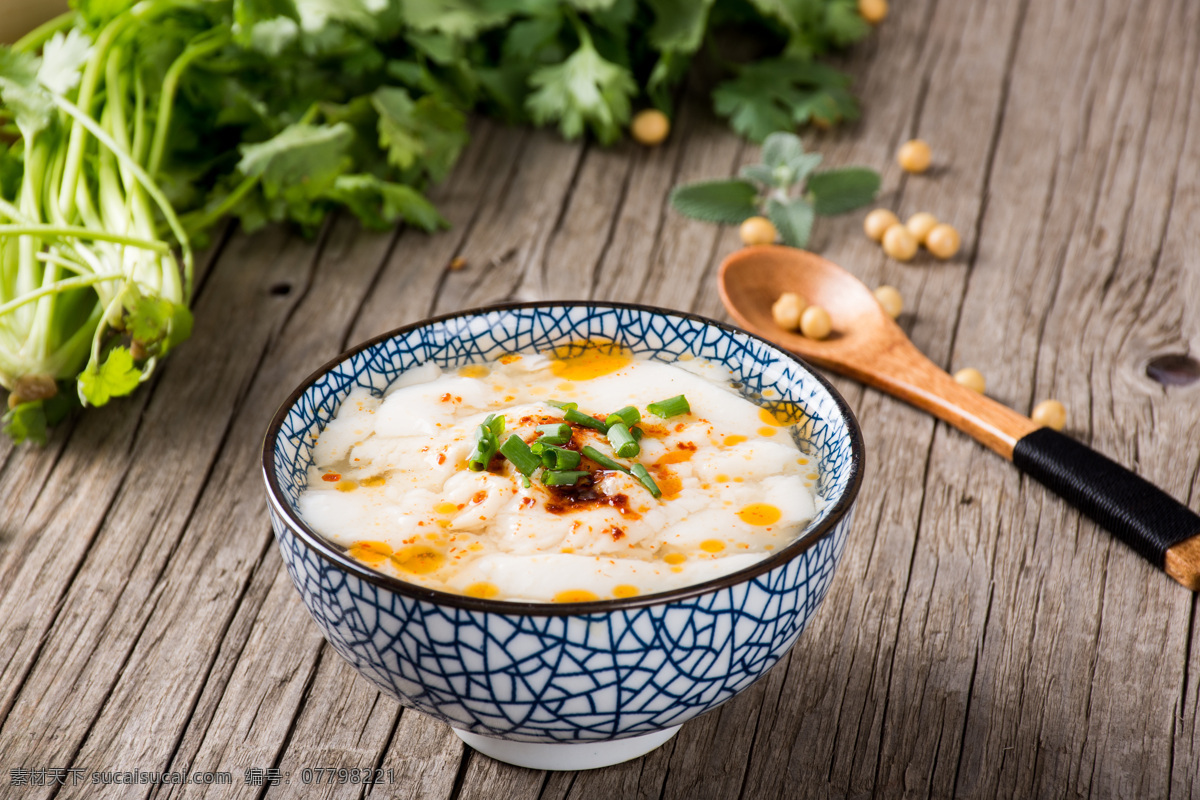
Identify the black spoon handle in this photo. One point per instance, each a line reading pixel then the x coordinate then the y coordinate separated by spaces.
pixel 1143 516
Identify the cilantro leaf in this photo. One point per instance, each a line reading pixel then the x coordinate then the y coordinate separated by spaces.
pixel 429 130
pixel 316 15
pixel 526 39
pixel 30 421
pixel 117 376
pixel 26 422
pixel 380 204
pixel 844 23
pixel 778 94
pixel 592 5
pixel 248 13
pixel 464 19
pixel 728 202
pixel 159 324
pixel 62 58
pixel 793 220
pixel 28 102
pixel 679 25
pixel 272 36
pixel 300 162
pixel 836 191
pixel 584 90
pixel 816 27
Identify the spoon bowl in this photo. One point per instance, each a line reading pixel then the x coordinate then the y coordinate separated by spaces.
pixel 752 279
pixel 865 344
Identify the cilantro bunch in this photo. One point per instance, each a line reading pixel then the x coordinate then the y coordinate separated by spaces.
pixel 785 187
pixel 91 294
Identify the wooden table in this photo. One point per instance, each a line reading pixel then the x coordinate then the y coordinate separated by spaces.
pixel 980 638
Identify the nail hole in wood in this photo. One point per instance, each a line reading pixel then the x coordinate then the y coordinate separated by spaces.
pixel 281 289
pixel 1174 370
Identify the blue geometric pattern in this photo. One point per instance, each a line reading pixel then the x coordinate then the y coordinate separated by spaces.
pixel 555 673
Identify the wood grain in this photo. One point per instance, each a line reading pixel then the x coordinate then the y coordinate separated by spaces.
pixel 980 638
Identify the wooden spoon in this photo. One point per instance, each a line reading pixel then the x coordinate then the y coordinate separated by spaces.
pixel 868 346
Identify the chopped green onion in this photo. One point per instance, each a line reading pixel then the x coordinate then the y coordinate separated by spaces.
pixel 537 447
pixel 671 407
pixel 579 418
pixel 562 405
pixel 622 441
pixel 637 433
pixel 516 451
pixel 563 477
pixel 629 415
pixel 557 433
pixel 494 423
pixel 485 448
pixel 603 460
pixel 642 475
pixel 559 458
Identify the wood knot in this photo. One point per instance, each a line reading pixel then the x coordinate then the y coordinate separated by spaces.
pixel 1173 370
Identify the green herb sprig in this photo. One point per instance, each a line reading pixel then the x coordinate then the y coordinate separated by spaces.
pixel 785 187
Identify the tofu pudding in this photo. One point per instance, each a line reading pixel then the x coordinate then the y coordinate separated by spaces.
pixel 585 474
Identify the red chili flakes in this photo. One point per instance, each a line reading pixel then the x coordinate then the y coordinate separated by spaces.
pixel 616 533
pixel 686 445
pixel 331 477
pixel 527 502
pixel 680 427
pixel 446 398
pixel 478 497
pixel 441 459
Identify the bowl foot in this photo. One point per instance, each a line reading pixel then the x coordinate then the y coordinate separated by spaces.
pixel 566 755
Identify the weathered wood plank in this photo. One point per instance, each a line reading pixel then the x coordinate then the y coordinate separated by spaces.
pixel 1077 619
pixel 408 288
pixel 62 497
pixel 427 758
pixel 508 240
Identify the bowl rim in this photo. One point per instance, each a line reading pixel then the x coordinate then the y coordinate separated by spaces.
pixel 330 552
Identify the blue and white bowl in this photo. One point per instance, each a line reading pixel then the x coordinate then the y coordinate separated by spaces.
pixel 565 686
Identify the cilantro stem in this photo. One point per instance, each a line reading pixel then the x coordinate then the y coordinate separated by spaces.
pixel 57 287
pixel 585 38
pixel 147 183
pixel 44 231
pixel 198 48
pixel 201 219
